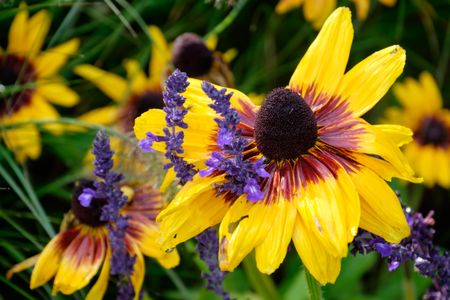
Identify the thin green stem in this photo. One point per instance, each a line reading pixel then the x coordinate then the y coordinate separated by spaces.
pixel 261 283
pixel 408 284
pixel 228 20
pixel 314 289
pixel 179 284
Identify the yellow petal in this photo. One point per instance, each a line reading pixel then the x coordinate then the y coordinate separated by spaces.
pixel 51 60
pixel 197 137
pixel 81 260
pixel 99 288
pixel 317 12
pixel 425 164
pixel 362 8
pixel 287 5
pixel 111 84
pixel 330 209
pixel 137 278
pixel 57 93
pixel 160 53
pixel 48 261
pixel 195 208
pixel 431 90
pixel 324 63
pixel 388 2
pixel 135 75
pixel 400 135
pixel 25 264
pixel 44 111
pixel 271 252
pixel 17 39
pixel 367 82
pixel 381 212
pixel 170 259
pixel 323 266
pixel 105 115
pixel 37 29
pixel 211 42
pixel 386 148
pixel 25 140
pixel 244 227
pixel 442 162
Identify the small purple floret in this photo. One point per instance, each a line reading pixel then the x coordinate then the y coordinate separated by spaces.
pixel 86 197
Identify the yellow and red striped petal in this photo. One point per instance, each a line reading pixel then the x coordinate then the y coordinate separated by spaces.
pixel 381 212
pixel 81 260
pixel 99 288
pixel 49 260
pixel 325 267
pixel 328 205
pixel 323 65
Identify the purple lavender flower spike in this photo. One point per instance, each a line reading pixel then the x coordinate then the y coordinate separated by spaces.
pixel 208 247
pixel 242 176
pixel 122 264
pixel 176 84
pixel 418 248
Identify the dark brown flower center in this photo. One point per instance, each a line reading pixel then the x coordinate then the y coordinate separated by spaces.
pixel 139 104
pixel 87 215
pixel 191 55
pixel 285 126
pixel 433 131
pixel 15 71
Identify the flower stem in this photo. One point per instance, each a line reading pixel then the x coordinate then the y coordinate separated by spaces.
pixel 408 284
pixel 261 283
pixel 314 289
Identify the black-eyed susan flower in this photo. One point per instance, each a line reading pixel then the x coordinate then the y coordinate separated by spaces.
pixel 108 226
pixel 423 113
pixel 304 166
pixel 315 11
pixel 362 7
pixel 29 81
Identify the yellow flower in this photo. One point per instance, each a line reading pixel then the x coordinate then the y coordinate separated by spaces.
pixel 29 81
pixel 362 7
pixel 315 11
pixel 138 93
pixel 423 112
pixel 75 255
pixel 327 165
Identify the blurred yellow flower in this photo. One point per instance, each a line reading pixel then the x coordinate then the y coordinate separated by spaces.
pixel 422 111
pixel 29 81
pixel 362 7
pixel 315 11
